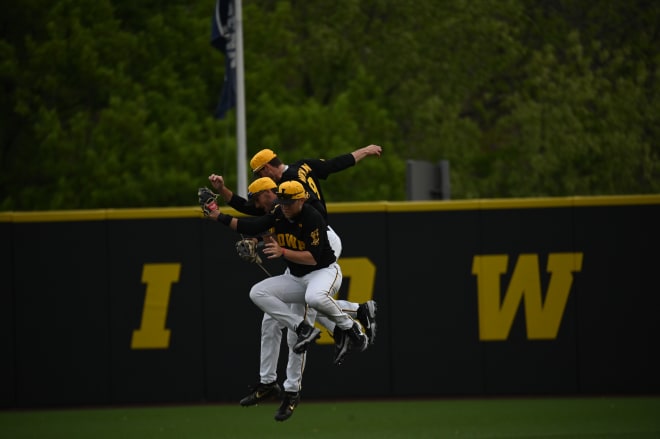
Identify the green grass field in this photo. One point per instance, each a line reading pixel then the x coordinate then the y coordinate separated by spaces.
pixel 620 417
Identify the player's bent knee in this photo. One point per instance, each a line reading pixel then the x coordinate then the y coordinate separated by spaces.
pixel 256 294
pixel 313 301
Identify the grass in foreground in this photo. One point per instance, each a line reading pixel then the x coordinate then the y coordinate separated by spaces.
pixel 620 418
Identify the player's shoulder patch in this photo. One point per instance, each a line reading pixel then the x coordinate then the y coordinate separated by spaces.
pixel 316 237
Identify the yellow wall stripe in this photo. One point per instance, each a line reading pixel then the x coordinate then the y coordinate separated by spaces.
pixel 344 207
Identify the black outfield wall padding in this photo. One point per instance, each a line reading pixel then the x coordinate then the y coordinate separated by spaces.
pixel 552 296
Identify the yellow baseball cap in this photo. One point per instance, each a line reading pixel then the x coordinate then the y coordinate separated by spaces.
pixel 259 185
pixel 289 191
pixel 260 159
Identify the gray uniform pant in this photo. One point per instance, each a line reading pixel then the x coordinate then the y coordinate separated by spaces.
pixel 271 334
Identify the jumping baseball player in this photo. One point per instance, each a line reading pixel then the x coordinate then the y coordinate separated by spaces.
pixel 262 199
pixel 309 172
pixel 313 276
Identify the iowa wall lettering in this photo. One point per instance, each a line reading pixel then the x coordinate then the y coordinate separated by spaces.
pixel 152 333
pixel 496 312
pixel 159 278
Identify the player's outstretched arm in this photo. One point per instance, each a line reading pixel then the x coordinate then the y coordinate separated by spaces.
pixel 218 183
pixel 249 226
pixel 232 199
pixel 361 153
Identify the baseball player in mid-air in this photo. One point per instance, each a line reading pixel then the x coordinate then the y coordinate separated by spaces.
pixel 308 172
pixel 262 195
pixel 313 277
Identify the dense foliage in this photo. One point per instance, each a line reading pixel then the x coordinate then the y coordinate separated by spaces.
pixel 109 103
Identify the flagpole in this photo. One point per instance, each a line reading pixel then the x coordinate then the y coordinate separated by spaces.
pixel 241 141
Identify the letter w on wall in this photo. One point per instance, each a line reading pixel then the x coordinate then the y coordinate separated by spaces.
pixel 496 314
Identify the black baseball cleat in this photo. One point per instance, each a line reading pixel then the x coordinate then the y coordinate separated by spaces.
pixel 262 392
pixel 289 404
pixel 342 345
pixel 366 315
pixel 358 339
pixel 348 340
pixel 306 335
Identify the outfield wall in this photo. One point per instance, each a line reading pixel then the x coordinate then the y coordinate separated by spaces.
pixel 547 296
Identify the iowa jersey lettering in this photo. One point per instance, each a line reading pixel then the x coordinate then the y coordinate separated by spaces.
pixel 291 241
pixel 303 175
pixel 303 170
pixel 288 240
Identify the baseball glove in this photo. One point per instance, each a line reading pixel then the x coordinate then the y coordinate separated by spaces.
pixel 207 200
pixel 247 250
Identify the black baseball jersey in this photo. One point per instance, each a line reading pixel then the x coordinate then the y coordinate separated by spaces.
pixel 308 231
pixel 310 171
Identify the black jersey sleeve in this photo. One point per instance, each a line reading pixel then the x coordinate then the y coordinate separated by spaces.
pixel 240 204
pixel 255 225
pixel 316 237
pixel 323 168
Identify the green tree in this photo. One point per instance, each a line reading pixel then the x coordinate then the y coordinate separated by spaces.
pixel 108 103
